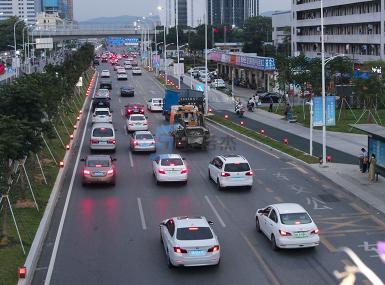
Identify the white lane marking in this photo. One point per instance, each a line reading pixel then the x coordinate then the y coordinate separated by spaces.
pixel 131 160
pixel 65 209
pixel 215 211
pixel 141 213
pixel 243 141
pixel 120 100
pixel 121 112
pixel 300 169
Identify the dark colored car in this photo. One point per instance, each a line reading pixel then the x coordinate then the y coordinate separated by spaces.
pixel 134 109
pixel 96 62
pixel 271 97
pixel 105 84
pixel 100 102
pixel 127 91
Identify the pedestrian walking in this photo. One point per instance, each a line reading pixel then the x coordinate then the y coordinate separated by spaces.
pixel 372 167
pixel 361 159
pixel 271 106
pixel 365 161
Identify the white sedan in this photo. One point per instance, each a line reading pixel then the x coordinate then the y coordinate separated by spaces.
pixel 189 241
pixel 155 104
pixel 105 73
pixel 136 71
pixel 287 225
pixel 169 168
pixel 136 122
pixel 218 83
pixel 102 115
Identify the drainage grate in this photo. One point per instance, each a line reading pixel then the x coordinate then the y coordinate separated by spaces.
pixel 328 198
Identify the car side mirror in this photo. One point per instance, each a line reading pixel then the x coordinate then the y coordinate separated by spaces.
pixel 82 159
pixel 183 158
pixel 114 159
pixel 260 211
pixel 162 224
pixel 210 223
pixel 111 111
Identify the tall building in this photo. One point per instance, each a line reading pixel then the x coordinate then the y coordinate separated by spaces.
pixel 190 12
pixel 281 26
pixel 182 12
pixel 351 27
pixel 66 10
pixel 50 6
pixel 24 9
pixel 232 12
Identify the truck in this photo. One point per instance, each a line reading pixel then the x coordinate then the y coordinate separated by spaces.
pixel 182 97
pixel 188 127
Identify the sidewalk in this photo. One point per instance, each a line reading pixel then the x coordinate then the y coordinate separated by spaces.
pixel 350 178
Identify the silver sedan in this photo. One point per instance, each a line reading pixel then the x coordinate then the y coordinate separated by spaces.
pixel 143 141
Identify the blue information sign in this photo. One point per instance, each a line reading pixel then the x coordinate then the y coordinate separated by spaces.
pixel 200 87
pixel 330 111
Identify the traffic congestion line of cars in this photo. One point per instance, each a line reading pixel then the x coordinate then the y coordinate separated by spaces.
pixel 187 241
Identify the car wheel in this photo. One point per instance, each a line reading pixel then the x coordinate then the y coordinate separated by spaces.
pixel 257 225
pixel 219 187
pixel 157 181
pixel 113 182
pixel 161 239
pixel 249 187
pixel 184 182
pixel 273 243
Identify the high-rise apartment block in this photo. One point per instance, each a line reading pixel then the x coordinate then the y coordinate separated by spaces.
pixel 351 27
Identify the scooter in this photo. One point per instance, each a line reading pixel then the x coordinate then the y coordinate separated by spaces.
pixel 250 106
pixel 240 111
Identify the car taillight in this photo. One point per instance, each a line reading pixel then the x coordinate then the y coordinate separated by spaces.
pixel 144 124
pixel 249 173
pixel 86 172
pixel 142 110
pixel 152 142
pixel 316 231
pixel 177 249
pixel 94 141
pixel 213 249
pixel 130 124
pixel 225 174
pixel 184 171
pixel 161 171
pixel 284 233
pixel 111 171
pixel 111 141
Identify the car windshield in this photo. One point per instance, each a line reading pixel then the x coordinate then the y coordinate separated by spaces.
pixel 194 233
pixel 295 219
pixel 102 132
pixel 137 118
pixel 102 92
pixel 98 163
pixel 237 167
pixel 171 162
pixel 101 113
pixel 157 100
pixel 144 137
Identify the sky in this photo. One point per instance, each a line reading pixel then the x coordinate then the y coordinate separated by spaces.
pixel 87 9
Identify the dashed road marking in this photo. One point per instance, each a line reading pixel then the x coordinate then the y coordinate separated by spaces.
pixel 274 280
pixel 215 211
pixel 141 213
pixel 220 202
pixel 300 169
pixel 131 159
pixel 269 190
pixel 327 244
pixel 278 199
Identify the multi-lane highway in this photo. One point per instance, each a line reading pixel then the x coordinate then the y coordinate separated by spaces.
pixel 110 234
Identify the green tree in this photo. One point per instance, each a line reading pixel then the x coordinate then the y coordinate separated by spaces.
pixel 257 32
pixel 6 33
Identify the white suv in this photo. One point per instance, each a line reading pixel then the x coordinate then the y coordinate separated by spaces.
pixel 231 171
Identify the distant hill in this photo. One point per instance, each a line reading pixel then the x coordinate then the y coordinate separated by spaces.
pixel 267 13
pixel 118 20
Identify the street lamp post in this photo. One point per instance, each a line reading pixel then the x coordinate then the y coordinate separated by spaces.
pixel 206 93
pixel 14 41
pixel 177 40
pixel 160 8
pixel 323 88
pixel 156 51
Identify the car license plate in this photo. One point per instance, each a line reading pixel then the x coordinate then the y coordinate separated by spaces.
pixel 301 234
pixel 98 174
pixel 102 142
pixel 197 252
pixel 145 144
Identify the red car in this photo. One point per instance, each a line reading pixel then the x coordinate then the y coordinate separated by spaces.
pixel 2 68
pixel 134 109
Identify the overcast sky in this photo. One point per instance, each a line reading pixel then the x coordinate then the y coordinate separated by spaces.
pixel 87 9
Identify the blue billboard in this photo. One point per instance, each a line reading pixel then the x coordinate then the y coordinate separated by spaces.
pixel 377 147
pixel 119 41
pixel 50 3
pixel 330 111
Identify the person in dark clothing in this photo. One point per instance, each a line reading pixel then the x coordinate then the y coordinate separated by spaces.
pixel 365 161
pixel 271 106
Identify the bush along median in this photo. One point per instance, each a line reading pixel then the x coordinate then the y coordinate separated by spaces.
pixel 38 115
pixel 281 146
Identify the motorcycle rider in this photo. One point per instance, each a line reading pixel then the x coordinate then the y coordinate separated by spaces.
pixel 238 107
pixel 251 104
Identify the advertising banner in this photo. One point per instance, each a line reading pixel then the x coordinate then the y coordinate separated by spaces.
pixel 330 111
